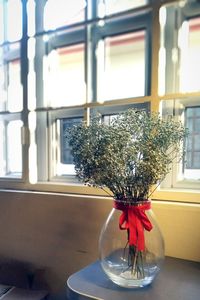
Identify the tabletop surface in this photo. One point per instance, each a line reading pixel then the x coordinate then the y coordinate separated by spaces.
pixel 178 280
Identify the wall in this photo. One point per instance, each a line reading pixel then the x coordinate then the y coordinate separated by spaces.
pixel 58 234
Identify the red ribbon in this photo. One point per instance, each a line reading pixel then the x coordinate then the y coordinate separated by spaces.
pixel 134 220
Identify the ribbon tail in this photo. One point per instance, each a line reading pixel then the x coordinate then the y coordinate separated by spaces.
pixel 123 219
pixel 145 221
pixel 136 231
pixel 138 222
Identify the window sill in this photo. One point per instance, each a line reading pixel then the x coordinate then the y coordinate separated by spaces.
pixel 176 195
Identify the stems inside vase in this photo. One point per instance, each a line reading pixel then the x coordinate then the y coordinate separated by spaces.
pixel 135 261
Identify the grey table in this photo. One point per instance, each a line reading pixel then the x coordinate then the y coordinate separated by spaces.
pixel 178 280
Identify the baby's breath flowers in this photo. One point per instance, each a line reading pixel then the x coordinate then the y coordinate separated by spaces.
pixel 128 156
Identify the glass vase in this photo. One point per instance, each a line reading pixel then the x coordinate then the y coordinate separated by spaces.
pixel 131 245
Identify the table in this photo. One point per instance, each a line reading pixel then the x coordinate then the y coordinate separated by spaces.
pixel 8 292
pixel 178 280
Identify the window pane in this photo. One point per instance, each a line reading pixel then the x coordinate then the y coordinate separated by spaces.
pixel 65 84
pixel 196 160
pixel 115 6
pixel 193 140
pixel 197 143
pixel 31 17
pixel 15 97
pixel 187 111
pixel 65 164
pixel 179 57
pixel 14 147
pixel 2 88
pixel 41 132
pixel 197 125
pixel 190 56
pixel 11 149
pixel 60 13
pixel 122 74
pixel 14 19
pixel 2 150
pixel 1 23
pixel 107 119
pixel 11 97
pixel 189 144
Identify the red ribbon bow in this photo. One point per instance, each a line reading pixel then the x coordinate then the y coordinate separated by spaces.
pixel 134 220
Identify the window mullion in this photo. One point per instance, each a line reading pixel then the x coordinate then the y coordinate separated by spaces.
pixel 155 40
pixel 24 82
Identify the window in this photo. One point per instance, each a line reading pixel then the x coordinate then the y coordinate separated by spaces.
pixel 180 47
pixel 67 12
pixel 64 161
pixel 185 173
pixel 14 12
pixel 115 6
pixel 64 62
pixel 11 92
pixel 190 59
pixel 192 120
pixel 11 147
pixel 124 57
pixel 64 84
pixel 179 56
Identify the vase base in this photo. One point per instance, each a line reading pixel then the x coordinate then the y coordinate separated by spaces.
pixel 135 283
pixel 128 280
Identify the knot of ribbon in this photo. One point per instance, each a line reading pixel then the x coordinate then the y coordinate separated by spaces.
pixel 134 220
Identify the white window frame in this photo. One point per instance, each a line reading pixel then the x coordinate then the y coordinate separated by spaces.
pixel 88 32
pixel 54 142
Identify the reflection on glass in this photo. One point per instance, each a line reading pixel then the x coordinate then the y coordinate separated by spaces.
pixel 31 17
pixel 67 12
pixel 65 84
pixel 1 23
pixel 2 89
pixel 190 55
pixel 179 56
pixel 32 148
pixel 65 165
pixel 15 98
pixel 115 6
pixel 188 112
pixel 14 146
pixel 31 75
pixel 107 119
pixel 41 135
pixel 122 73
pixel 2 149
pixel 11 148
pixel 192 116
pixel 14 17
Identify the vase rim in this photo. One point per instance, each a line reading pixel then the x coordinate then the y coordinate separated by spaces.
pixel 132 201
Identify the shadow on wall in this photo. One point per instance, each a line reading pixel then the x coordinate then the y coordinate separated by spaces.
pixel 21 275
pixel 48 237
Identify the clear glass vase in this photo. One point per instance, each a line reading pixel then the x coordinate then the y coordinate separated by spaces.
pixel 131 255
